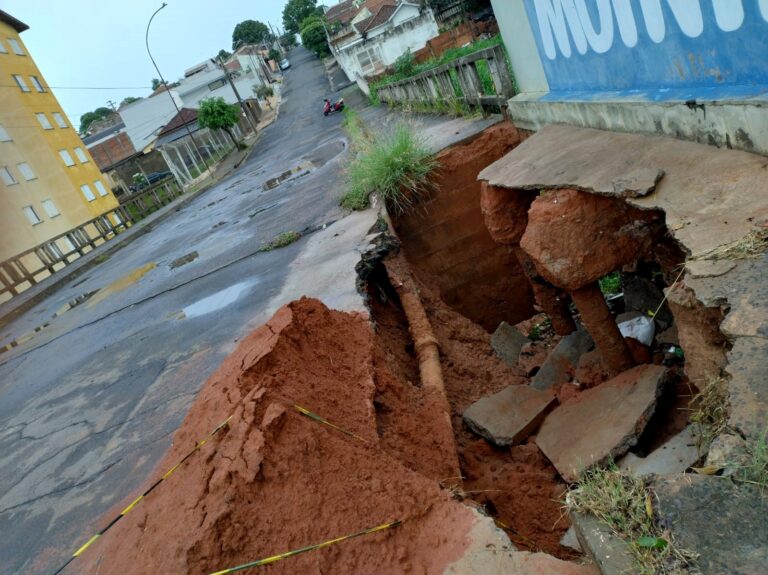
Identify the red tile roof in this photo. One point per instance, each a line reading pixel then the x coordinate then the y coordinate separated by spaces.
pixel 342 12
pixel 184 117
pixel 384 14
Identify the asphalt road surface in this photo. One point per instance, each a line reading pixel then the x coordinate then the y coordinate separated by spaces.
pixel 88 405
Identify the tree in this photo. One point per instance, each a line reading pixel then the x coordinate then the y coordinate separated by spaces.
pixel 250 32
pixel 296 11
pixel 90 117
pixel 274 54
pixel 128 100
pixel 223 54
pixel 155 84
pixel 215 113
pixel 288 40
pixel 313 37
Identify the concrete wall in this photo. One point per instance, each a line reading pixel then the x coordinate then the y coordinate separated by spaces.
pixel 693 69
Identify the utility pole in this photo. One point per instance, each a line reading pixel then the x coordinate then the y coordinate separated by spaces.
pixel 245 109
pixel 276 38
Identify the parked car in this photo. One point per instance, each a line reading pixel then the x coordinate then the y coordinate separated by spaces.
pixel 285 64
pixel 151 178
pixel 157 176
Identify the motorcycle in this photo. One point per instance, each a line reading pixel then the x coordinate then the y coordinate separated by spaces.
pixel 331 107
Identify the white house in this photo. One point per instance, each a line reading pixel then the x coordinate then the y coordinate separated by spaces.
pixel 378 34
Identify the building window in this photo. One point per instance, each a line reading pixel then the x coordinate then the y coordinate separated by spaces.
pixel 87 192
pixel 100 188
pixel 62 123
pixel 81 155
pixel 26 171
pixel 216 85
pixel 4 135
pixel 368 59
pixel 68 161
pixel 50 208
pixel 21 83
pixel 36 83
pixel 7 176
pixel 31 214
pixel 44 122
pixel 3 49
pixel 15 46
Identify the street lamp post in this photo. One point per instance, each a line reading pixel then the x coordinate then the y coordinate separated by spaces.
pixel 167 89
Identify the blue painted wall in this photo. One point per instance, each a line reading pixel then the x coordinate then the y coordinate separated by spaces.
pixel 696 58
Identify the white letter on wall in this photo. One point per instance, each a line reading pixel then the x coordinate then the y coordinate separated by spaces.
pixel 626 19
pixel 729 14
pixel 552 16
pixel 686 12
pixel 600 42
pixel 764 9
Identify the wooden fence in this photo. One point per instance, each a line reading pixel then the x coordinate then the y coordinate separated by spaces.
pixel 480 81
pixel 28 268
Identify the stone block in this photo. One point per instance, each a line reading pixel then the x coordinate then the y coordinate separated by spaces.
pixel 748 387
pixel 674 456
pixel 609 552
pixel 603 423
pixel 510 416
pixel 562 362
pixel 507 342
pixel 722 521
pixel 571 540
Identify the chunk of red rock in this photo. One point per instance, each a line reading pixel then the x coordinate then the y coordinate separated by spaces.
pixel 576 238
pixel 505 212
pixel 603 423
pixel 510 416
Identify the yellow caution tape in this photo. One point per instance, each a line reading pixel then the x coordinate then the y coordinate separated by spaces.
pixel 136 501
pixel 275 558
pixel 315 417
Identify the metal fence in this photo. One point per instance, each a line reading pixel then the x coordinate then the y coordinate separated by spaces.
pixel 480 80
pixel 28 268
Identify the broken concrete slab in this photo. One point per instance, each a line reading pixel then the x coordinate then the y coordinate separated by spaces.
pixel 602 423
pixel 510 416
pixel 609 552
pixel 571 540
pixel 507 342
pixel 674 456
pixel 561 363
pixel 727 452
pixel 710 196
pixel 721 521
pixel 748 388
pixel 709 268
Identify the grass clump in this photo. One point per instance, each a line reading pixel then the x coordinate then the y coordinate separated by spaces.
pixel 611 283
pixel 282 240
pixel 754 244
pixel 395 165
pixel 624 503
pixel 754 468
pixel 709 411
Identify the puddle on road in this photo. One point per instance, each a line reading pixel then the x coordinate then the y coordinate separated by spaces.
pixel 122 283
pixel 214 302
pixel 185 259
pixel 71 304
pixel 297 172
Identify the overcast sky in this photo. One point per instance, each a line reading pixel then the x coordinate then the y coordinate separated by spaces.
pixel 100 43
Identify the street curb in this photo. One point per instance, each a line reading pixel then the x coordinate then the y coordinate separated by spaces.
pixel 58 280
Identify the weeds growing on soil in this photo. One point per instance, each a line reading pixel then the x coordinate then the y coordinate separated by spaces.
pixel 396 166
pixel 755 468
pixel 611 283
pixel 624 503
pixel 709 411
pixel 284 239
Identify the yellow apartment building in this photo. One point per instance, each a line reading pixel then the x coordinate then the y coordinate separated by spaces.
pixel 49 184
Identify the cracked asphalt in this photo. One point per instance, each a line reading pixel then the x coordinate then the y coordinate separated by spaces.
pixel 88 405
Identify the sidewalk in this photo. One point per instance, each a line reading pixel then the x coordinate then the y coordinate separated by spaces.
pixel 19 304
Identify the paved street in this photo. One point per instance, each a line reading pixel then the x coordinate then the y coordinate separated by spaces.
pixel 89 404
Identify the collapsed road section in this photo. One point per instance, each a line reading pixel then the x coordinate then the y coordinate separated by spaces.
pixel 571 310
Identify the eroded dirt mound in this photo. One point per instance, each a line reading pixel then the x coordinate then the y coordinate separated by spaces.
pixel 275 480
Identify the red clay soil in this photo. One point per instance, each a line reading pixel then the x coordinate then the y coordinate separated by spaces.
pixel 275 480
pixel 518 485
